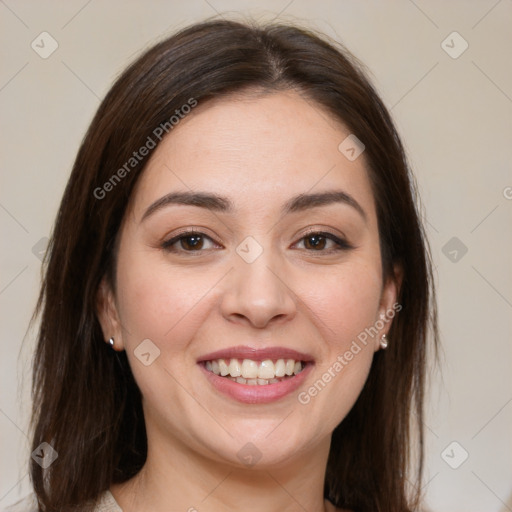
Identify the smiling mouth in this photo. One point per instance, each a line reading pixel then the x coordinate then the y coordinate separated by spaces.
pixel 255 373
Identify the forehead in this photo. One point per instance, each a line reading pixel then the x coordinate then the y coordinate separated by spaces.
pixel 258 149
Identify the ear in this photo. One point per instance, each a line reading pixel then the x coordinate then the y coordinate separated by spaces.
pixel 108 315
pixel 388 307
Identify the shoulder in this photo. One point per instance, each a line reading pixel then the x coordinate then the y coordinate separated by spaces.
pixel 105 503
pixel 26 504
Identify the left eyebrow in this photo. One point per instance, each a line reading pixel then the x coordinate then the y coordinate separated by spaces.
pixel 218 203
pixel 305 201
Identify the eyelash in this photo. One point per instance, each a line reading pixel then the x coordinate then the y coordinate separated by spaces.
pixel 341 245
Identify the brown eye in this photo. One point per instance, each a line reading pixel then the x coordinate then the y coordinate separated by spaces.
pixel 316 242
pixel 190 241
pixel 324 242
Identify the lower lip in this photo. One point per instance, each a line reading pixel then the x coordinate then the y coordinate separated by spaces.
pixel 257 394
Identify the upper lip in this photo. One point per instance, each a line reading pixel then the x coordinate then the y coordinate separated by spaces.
pixel 256 354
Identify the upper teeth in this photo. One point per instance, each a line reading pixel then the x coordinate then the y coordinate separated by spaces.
pixel 250 369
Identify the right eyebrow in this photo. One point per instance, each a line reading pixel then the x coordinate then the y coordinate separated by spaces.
pixel 209 201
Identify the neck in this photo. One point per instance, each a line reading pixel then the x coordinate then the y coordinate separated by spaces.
pixel 175 477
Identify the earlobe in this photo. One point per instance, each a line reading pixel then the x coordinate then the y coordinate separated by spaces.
pixel 108 316
pixel 388 307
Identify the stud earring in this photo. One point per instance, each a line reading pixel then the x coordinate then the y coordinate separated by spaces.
pixel 383 342
pixel 111 341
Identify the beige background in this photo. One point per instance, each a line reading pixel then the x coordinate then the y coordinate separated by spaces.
pixel 453 113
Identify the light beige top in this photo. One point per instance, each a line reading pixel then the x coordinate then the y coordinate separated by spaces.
pixel 107 503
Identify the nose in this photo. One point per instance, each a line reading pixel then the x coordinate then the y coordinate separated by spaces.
pixel 257 294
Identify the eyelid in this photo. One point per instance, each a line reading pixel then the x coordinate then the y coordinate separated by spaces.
pixel 184 233
pixel 340 241
pixel 319 230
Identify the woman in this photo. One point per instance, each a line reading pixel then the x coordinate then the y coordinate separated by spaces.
pixel 236 247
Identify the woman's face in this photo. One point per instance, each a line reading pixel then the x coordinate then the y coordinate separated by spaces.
pixel 281 274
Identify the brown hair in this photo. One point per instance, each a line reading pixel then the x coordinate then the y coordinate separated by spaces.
pixel 86 402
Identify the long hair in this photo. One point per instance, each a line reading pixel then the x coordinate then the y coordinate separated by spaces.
pixel 86 403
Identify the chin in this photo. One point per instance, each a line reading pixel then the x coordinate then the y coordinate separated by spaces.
pixel 262 444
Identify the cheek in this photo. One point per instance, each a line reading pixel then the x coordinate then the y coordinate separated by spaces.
pixel 346 303
pixel 168 308
pixel 345 308
pixel 159 303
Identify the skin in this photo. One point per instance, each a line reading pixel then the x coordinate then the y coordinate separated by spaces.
pixel 257 150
